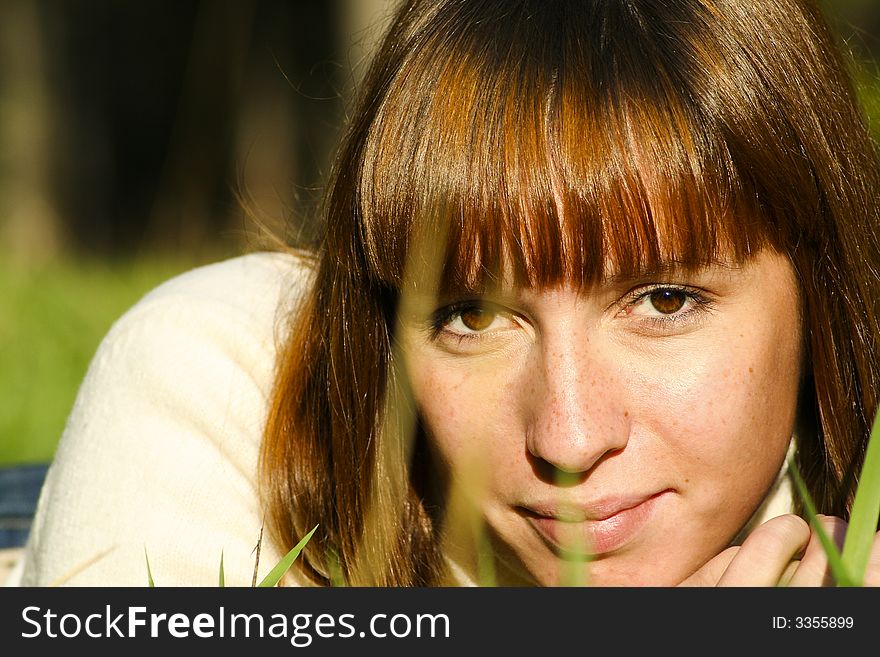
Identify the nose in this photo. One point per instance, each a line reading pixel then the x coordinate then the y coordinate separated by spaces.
pixel 577 413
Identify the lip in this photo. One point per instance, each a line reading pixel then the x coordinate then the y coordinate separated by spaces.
pixel 597 528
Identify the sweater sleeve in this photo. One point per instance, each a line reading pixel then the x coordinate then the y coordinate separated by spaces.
pixel 159 456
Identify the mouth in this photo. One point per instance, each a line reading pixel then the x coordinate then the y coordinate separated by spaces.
pixel 596 529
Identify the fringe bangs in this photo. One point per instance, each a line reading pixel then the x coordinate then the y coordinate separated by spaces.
pixel 562 162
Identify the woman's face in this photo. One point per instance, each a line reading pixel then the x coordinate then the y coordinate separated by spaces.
pixel 619 435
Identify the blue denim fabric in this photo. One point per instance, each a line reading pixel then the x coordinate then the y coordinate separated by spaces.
pixel 19 490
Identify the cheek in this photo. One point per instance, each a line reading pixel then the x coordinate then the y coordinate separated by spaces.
pixel 728 415
pixel 464 413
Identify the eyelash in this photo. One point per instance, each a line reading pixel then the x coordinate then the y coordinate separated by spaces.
pixel 442 317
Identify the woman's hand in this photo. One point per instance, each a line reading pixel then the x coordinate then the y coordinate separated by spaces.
pixel 784 551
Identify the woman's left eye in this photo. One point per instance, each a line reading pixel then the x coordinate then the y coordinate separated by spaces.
pixel 665 304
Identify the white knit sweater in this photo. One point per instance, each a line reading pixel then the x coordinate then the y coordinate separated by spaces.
pixel 159 455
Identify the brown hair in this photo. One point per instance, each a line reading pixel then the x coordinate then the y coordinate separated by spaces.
pixel 664 131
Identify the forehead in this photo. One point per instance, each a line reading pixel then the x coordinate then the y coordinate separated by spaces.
pixel 577 253
pixel 455 262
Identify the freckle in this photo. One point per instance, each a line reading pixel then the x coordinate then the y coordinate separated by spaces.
pixel 751 370
pixel 626 414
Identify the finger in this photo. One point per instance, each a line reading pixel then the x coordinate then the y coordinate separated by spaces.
pixel 712 570
pixel 790 570
pixel 872 574
pixel 813 569
pixel 766 553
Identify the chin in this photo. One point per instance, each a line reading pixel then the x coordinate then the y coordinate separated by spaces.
pixel 609 572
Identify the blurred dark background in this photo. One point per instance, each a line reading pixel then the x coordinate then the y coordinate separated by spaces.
pixel 141 138
pixel 128 125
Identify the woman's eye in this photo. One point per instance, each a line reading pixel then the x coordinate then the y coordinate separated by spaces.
pixel 477 319
pixel 663 306
pixel 667 301
pixel 470 320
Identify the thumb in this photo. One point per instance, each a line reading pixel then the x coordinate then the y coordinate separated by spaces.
pixel 710 573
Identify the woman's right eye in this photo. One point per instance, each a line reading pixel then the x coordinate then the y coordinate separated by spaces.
pixel 470 320
pixel 477 318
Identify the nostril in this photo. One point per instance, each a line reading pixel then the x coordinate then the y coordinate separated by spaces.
pixel 560 474
pixel 554 475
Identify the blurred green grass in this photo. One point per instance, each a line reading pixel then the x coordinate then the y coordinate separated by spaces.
pixel 52 318
pixel 867 81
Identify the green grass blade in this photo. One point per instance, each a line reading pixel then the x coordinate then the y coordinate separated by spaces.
pixel 337 579
pixel 835 562
pixel 150 581
pixel 286 562
pixel 865 511
pixel 222 574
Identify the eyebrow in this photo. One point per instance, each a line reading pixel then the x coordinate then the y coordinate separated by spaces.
pixel 670 268
pixel 665 268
